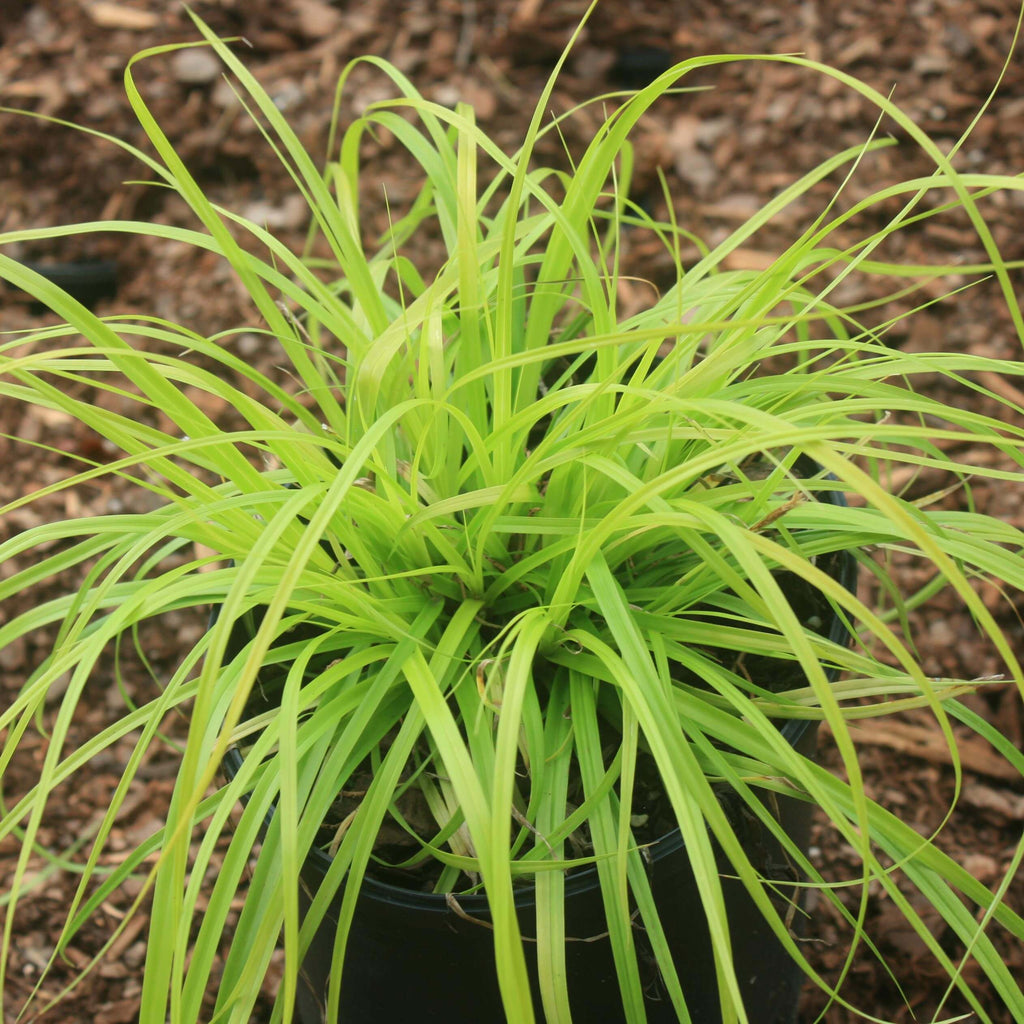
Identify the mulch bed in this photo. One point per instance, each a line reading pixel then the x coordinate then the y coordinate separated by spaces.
pixel 725 151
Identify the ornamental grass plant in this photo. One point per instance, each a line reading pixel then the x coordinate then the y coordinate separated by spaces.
pixel 504 550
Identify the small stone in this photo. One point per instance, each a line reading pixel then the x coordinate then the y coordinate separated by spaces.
pixel 316 19
pixel 291 213
pixel 195 66
pixel 42 29
pixel 224 95
pixel 288 94
pixel 941 633
pixel 249 344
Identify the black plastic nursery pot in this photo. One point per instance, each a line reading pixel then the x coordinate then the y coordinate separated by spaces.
pixel 412 955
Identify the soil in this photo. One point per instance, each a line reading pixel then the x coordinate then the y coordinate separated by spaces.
pixel 724 152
